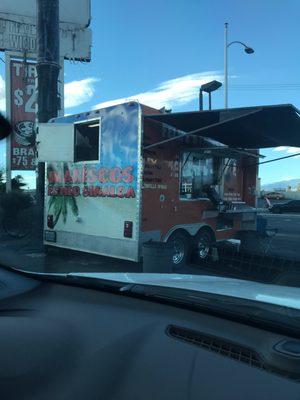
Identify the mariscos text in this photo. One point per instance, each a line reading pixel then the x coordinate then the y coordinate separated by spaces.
pixel 92 182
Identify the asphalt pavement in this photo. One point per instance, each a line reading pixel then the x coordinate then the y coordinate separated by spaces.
pixel 285 223
pixel 282 243
pixel 284 235
pixel 284 232
pixel 261 203
pixel 30 255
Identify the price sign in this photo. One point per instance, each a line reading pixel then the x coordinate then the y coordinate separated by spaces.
pixel 23 110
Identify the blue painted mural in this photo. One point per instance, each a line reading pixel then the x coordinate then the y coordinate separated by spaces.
pixel 114 176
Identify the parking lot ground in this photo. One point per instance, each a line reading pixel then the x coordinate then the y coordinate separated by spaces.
pixel 284 235
pixel 261 203
pixel 31 255
pixel 259 267
pixel 28 254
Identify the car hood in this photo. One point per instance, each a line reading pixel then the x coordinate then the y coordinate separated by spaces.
pixel 267 293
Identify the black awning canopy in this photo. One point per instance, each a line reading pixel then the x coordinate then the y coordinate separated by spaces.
pixel 247 128
pixel 228 152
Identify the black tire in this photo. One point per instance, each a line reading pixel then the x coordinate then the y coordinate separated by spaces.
pixel 202 246
pixel 182 249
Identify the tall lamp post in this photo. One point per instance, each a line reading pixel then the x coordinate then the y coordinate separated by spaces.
pixel 208 88
pixel 247 50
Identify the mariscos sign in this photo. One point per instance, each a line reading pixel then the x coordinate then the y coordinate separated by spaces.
pixel 90 181
pixel 23 111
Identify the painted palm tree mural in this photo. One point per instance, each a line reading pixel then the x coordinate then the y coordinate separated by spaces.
pixel 60 205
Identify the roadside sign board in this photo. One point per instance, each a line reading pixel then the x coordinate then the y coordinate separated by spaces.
pixel 22 113
pixel 74 43
pixel 77 12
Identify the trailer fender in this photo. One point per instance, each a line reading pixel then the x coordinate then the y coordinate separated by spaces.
pixel 189 229
pixel 209 230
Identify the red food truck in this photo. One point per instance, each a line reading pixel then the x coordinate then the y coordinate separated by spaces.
pixel 123 175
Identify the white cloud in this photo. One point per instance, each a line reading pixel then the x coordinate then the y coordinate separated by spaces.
pixel 287 151
pixel 293 150
pixel 170 93
pixel 2 94
pixel 280 148
pixel 79 92
pixel 76 92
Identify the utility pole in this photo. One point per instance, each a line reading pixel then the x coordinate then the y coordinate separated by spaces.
pixel 47 72
pixel 247 49
pixel 226 64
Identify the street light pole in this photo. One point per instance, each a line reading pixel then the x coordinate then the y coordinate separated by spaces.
pixel 247 49
pixel 200 99
pixel 226 64
pixel 209 100
pixel 208 88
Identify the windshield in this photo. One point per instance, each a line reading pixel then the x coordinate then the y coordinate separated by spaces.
pixel 137 149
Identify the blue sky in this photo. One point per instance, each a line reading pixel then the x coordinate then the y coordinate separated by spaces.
pixel 162 51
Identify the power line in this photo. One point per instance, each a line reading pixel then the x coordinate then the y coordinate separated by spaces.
pixel 265 86
pixel 273 160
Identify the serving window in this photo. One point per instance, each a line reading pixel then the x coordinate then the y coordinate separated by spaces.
pixel 197 170
pixel 87 140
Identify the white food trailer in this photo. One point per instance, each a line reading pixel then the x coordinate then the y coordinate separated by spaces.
pixel 122 175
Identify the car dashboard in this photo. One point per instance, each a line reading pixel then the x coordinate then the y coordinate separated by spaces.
pixel 60 341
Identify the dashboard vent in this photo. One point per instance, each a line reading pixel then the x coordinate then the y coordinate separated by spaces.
pixel 217 345
pixel 230 349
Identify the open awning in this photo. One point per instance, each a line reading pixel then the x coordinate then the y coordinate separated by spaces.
pixel 228 152
pixel 210 147
pixel 247 127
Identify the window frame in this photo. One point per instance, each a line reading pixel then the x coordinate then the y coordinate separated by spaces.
pixel 190 150
pixel 87 121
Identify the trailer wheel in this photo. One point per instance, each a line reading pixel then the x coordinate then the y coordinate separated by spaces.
pixel 181 248
pixel 203 244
